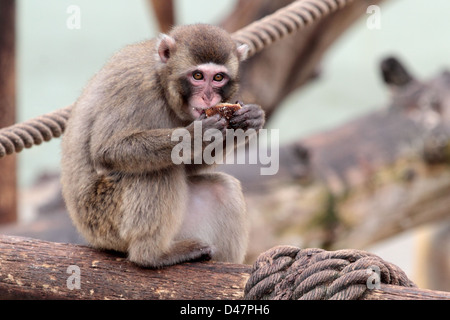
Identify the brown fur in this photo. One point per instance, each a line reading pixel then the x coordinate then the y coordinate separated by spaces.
pixel 121 188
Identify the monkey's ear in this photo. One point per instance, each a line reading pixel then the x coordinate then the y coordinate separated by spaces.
pixel 166 45
pixel 242 50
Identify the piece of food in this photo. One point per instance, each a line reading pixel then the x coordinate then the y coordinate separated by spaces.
pixel 226 110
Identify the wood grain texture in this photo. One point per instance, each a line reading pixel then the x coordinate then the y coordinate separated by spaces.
pixel 387 292
pixel 35 269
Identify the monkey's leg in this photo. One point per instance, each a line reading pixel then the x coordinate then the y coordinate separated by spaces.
pixel 216 215
pixel 154 206
pixel 145 254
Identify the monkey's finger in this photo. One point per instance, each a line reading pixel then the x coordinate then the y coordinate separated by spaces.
pixel 202 116
pixel 248 115
pixel 250 111
pixel 248 124
pixel 214 122
pixel 237 118
pixel 247 107
pixel 210 120
pixel 222 125
pixel 254 124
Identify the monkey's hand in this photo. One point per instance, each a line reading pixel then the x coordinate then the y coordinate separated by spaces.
pixel 205 139
pixel 250 116
pixel 214 122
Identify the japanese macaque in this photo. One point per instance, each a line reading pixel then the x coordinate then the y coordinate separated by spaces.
pixel 121 187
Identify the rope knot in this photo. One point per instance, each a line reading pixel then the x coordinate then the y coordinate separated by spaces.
pixel 291 273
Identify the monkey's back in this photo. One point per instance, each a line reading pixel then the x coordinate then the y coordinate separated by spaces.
pixel 119 98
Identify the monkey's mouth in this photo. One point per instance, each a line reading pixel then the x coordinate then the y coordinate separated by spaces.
pixel 197 111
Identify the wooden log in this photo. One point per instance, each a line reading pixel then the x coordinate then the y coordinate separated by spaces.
pixel 36 269
pixel 388 292
pixel 8 184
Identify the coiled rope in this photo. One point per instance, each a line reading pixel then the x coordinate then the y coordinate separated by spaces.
pixel 257 35
pixel 291 273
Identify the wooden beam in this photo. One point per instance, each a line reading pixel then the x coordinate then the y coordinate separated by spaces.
pixel 164 13
pixel 36 269
pixel 8 184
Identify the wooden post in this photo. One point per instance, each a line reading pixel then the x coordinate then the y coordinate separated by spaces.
pixel 8 183
pixel 164 12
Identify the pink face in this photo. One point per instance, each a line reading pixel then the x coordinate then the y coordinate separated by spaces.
pixel 206 81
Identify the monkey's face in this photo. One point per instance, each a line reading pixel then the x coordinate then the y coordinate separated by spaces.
pixel 205 86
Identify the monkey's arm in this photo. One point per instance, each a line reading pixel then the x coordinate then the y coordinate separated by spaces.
pixel 135 152
pixel 147 150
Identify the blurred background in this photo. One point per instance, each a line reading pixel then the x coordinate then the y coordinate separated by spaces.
pixel 55 62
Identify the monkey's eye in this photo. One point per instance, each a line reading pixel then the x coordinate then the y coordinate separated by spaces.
pixel 218 77
pixel 197 75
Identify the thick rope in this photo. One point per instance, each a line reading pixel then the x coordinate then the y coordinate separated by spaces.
pixel 257 36
pixel 291 273
pixel 292 18
pixel 33 132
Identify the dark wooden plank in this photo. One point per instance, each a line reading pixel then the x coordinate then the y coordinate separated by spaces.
pixel 8 184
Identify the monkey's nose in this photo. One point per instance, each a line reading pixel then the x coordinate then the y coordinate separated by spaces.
pixel 207 99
